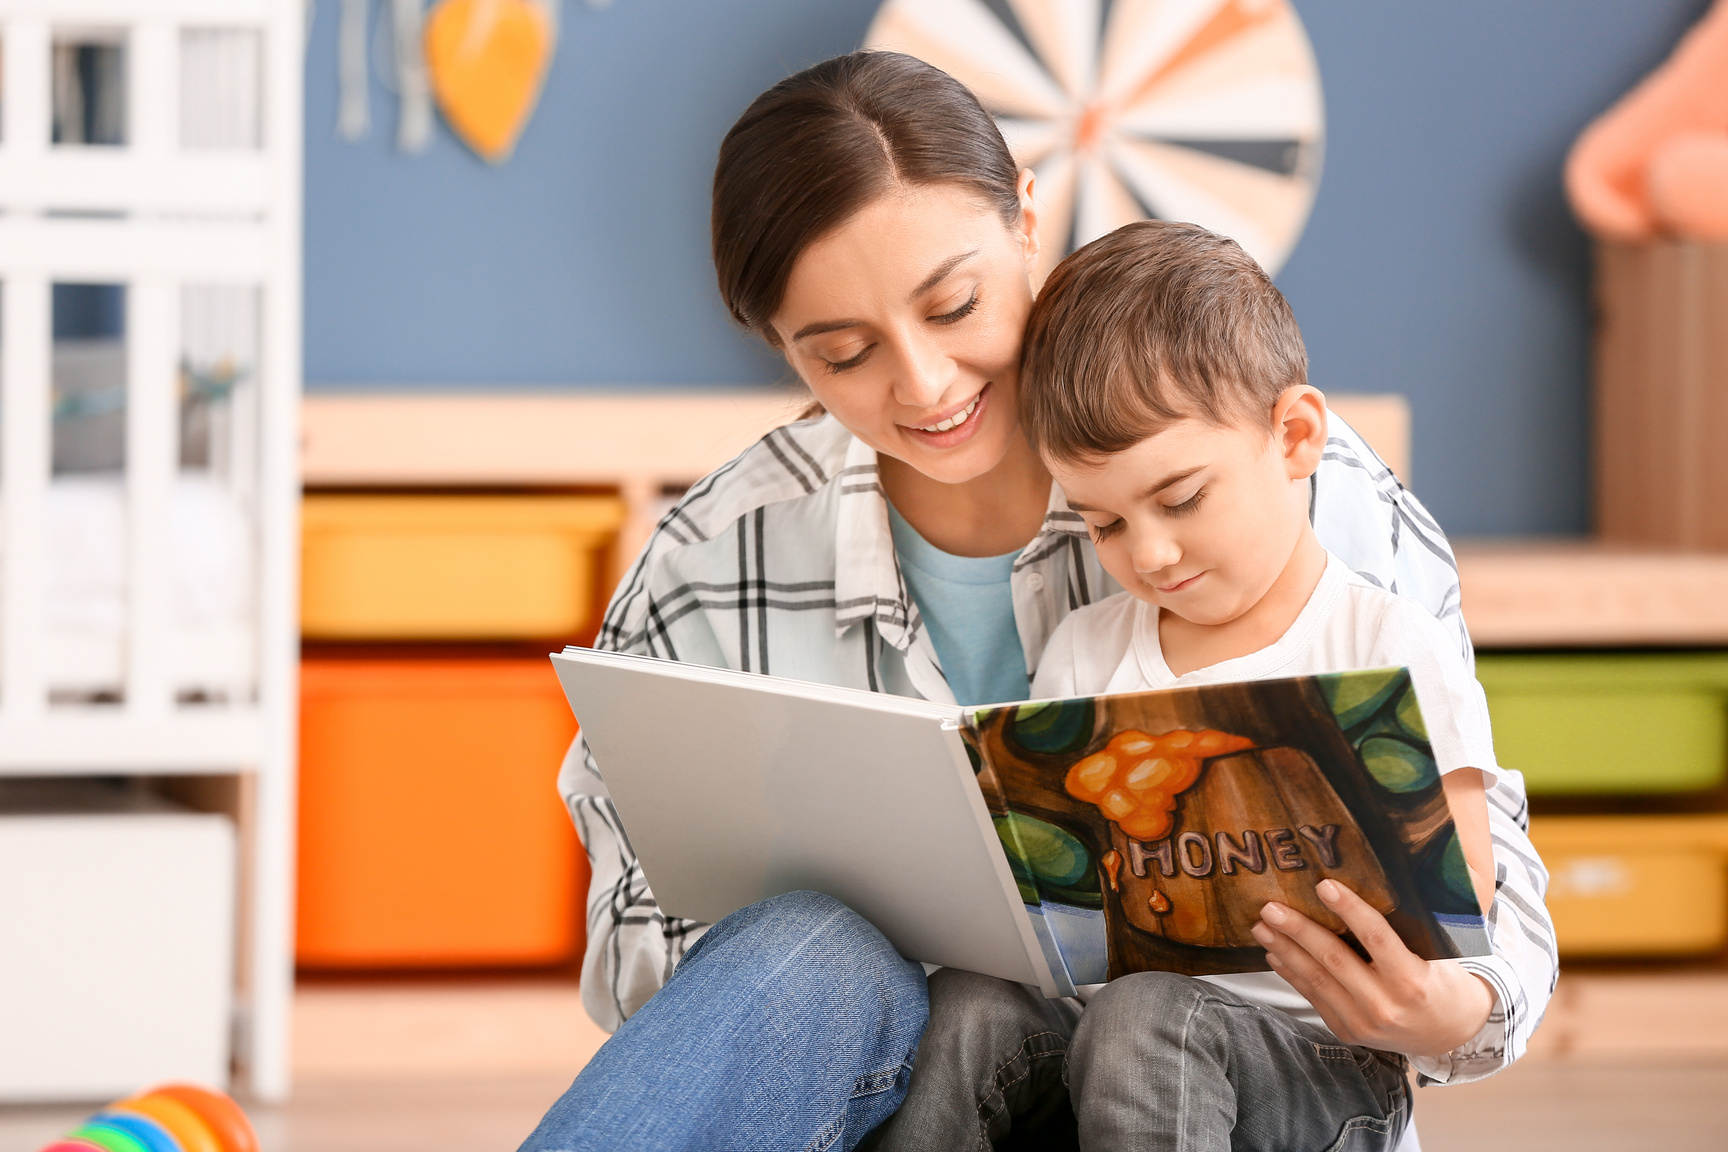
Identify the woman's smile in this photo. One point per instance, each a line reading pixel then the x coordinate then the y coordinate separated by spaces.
pixel 954 427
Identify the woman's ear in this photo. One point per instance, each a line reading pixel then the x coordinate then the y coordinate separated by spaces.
pixel 1299 424
pixel 1028 227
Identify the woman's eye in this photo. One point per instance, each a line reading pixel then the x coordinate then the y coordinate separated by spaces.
pixel 1189 505
pixel 1103 532
pixel 835 367
pixel 959 313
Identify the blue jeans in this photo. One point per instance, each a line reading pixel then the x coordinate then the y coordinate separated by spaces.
pixel 791 1025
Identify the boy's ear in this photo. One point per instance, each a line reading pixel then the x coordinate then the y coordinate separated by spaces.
pixel 1299 424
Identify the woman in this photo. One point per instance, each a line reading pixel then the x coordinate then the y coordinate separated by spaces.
pixel 869 223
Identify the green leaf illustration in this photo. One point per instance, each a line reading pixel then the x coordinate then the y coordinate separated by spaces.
pixel 1410 715
pixel 1043 851
pixel 1052 728
pixel 1355 696
pixel 1398 766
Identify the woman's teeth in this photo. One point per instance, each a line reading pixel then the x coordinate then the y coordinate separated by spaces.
pixel 955 420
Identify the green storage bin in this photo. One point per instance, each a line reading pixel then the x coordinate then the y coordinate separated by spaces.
pixel 1608 723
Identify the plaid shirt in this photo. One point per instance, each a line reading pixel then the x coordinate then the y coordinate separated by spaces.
pixel 781 562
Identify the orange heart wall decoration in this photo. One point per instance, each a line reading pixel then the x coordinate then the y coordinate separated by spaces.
pixel 488 59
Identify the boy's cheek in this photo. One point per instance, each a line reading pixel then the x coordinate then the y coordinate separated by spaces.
pixel 1116 560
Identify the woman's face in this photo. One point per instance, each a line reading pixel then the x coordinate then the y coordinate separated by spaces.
pixel 906 323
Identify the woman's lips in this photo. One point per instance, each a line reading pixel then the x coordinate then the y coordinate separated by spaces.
pixel 956 433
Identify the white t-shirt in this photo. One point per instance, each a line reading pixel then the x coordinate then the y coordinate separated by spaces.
pixel 1347 624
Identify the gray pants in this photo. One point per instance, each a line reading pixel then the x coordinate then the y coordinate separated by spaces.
pixel 1155 1061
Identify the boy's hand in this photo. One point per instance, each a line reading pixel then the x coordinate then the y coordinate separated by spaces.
pixel 1399 1003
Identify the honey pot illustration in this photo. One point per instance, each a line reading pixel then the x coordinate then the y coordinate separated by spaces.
pixel 1205 829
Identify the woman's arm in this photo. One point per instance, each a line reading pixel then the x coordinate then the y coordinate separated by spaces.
pixel 632 947
pixel 1364 515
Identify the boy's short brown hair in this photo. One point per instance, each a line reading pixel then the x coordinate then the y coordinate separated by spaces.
pixel 1153 323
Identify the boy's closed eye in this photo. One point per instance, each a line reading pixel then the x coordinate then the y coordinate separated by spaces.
pixel 1184 507
pixel 1102 532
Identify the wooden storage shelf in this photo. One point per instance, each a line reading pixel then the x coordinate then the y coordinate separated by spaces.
pixel 643 442
pixel 1587 594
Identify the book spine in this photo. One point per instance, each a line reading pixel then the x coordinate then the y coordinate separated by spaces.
pixel 996 800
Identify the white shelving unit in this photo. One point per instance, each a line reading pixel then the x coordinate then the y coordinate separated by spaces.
pixel 152 148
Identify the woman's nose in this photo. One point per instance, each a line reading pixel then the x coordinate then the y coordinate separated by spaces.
pixel 925 375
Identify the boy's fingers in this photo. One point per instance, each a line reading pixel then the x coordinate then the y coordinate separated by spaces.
pixel 1389 952
pixel 1337 1016
pixel 1326 949
pixel 1293 962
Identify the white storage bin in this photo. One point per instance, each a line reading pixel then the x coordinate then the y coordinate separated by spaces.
pixel 116 945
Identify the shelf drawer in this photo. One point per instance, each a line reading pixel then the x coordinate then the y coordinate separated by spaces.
pixel 431 833
pixel 1610 723
pixel 462 567
pixel 1636 885
pixel 117 963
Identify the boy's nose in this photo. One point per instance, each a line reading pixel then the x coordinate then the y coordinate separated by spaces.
pixel 1154 554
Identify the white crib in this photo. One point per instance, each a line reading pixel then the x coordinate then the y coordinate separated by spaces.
pixel 149 383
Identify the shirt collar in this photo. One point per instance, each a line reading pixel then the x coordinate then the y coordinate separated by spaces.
pixel 867 579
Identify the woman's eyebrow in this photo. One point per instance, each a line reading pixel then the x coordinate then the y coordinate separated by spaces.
pixel 822 326
pixel 936 277
pixel 939 273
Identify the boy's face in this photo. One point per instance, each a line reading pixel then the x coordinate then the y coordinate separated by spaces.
pixel 1201 519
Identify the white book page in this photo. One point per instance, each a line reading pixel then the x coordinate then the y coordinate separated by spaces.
pixel 734 787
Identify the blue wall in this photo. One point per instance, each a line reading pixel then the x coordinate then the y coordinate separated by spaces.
pixel 1440 262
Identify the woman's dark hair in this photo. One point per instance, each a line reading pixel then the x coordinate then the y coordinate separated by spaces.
pixel 820 145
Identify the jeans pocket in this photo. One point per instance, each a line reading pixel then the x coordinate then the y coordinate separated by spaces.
pixel 1377 1133
pixel 877 1082
pixel 1372 1133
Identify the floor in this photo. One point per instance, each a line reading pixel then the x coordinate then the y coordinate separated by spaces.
pixel 1625 1060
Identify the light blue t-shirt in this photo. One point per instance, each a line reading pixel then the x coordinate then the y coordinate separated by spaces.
pixel 968 606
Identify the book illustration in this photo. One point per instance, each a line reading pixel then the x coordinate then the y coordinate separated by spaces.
pixel 1147 830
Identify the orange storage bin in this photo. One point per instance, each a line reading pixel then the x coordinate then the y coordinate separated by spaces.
pixel 431 832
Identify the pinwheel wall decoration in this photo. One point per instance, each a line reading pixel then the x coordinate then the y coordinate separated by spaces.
pixel 1200 110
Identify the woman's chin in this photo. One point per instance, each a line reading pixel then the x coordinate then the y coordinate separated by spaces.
pixel 959 463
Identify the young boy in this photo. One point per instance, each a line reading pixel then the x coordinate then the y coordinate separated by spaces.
pixel 1165 385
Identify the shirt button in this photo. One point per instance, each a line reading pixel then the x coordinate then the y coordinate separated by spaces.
pixel 1035 581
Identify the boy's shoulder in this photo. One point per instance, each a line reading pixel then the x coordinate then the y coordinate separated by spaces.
pixel 1384 623
pixel 1100 620
pixel 1087 646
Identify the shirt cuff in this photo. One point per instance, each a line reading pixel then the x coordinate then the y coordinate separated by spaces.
pixel 1492 1048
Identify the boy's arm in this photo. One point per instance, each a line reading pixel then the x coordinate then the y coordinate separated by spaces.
pixel 1468 800
pixel 1521 971
pixel 1398 1003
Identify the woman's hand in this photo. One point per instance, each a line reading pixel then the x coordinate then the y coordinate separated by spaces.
pixel 1398 1003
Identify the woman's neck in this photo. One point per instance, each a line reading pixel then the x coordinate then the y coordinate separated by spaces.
pixel 988 515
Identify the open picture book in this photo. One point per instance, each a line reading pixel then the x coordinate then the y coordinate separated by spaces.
pixel 1060 843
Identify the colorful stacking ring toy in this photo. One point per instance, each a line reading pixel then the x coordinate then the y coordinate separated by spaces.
pixel 171 1118
pixel 183 1123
